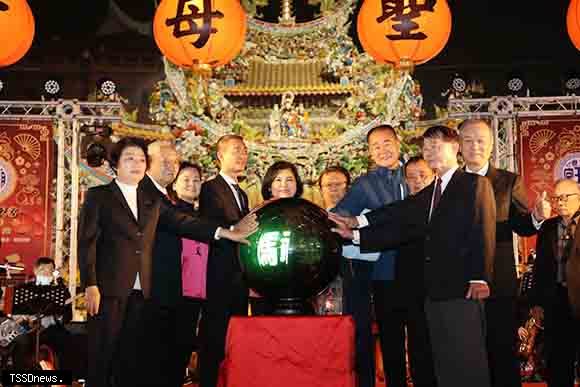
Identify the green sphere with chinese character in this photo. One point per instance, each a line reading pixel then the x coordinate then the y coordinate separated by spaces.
pixel 293 255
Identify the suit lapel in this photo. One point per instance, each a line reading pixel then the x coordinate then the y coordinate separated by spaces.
pixel 144 206
pixel 427 195
pixel 119 195
pixel 446 196
pixel 492 176
pixel 553 238
pixel 576 242
pixel 574 258
pixel 230 195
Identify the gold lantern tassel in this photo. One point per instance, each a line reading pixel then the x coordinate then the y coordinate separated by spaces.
pixel 204 71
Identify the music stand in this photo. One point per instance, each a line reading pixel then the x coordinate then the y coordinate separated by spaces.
pixel 40 301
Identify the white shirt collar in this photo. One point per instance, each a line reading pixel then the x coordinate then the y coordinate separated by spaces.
pixel 162 189
pixel 130 194
pixel 446 177
pixel 230 180
pixel 481 172
pixel 126 187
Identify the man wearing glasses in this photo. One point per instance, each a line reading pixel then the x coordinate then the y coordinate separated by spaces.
pixel 555 293
pixel 333 183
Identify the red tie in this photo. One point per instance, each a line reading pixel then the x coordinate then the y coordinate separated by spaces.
pixel 436 196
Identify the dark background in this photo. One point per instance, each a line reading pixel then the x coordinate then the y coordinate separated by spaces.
pixel 79 43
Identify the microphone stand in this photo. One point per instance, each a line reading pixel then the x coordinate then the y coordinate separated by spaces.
pixel 8 267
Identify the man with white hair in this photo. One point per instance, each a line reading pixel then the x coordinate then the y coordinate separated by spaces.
pixel 167 319
pixel 555 292
pixel 512 216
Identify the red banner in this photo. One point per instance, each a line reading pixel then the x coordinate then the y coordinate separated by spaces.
pixel 26 150
pixel 549 150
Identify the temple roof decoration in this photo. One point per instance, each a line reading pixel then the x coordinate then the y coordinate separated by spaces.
pixel 297 91
pixel 299 77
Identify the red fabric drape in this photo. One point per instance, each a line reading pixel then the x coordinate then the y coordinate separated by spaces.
pixel 289 351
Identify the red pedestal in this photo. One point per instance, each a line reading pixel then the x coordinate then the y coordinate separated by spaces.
pixel 289 352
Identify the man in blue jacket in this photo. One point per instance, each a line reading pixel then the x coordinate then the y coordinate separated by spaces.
pixel 381 186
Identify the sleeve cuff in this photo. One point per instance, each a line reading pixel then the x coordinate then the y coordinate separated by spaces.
pixel 536 224
pixel 356 237
pixel 478 282
pixel 216 235
pixel 362 221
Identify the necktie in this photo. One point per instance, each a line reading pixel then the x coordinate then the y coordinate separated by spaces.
pixel 436 196
pixel 568 238
pixel 241 198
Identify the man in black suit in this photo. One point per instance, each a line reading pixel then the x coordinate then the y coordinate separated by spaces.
pixel 455 219
pixel 512 215
pixel 227 295
pixel 168 323
pixel 115 241
pixel 555 292
pixel 410 285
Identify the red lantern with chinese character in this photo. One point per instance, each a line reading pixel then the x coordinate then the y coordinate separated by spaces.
pixel 404 32
pixel 16 30
pixel 573 22
pixel 193 33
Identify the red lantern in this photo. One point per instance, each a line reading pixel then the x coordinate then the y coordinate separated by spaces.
pixel 404 32
pixel 192 33
pixel 572 22
pixel 16 30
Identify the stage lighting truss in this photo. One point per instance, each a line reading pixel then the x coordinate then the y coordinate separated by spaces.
pixel 503 113
pixel 70 116
pixel 52 87
pixel 108 87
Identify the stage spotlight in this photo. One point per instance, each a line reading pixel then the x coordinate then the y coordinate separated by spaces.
pixel 52 87
pixel 97 130
pixel 1 86
pixel 572 83
pixel 459 84
pixel 96 143
pixel 515 84
pixel 96 155
pixel 107 86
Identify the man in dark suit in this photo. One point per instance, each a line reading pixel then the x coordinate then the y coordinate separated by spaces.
pixel 227 295
pixel 512 215
pixel 168 322
pixel 410 286
pixel 555 292
pixel 455 219
pixel 115 241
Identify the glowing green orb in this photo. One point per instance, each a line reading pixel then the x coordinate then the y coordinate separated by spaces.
pixel 293 255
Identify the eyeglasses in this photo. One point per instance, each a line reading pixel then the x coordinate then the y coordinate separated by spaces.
pixel 563 198
pixel 334 185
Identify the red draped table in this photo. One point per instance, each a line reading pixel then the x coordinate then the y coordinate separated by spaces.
pixel 289 351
